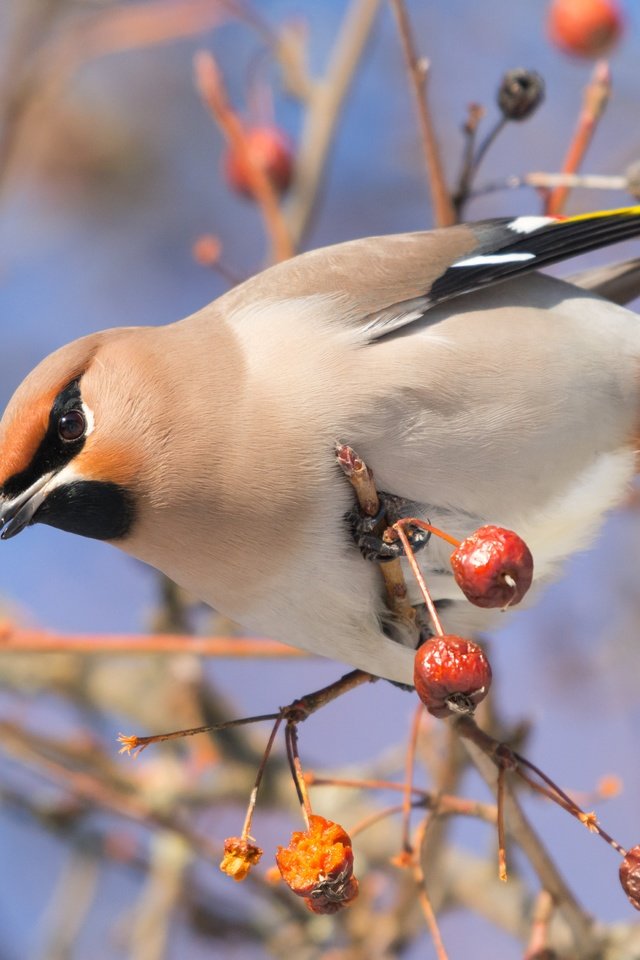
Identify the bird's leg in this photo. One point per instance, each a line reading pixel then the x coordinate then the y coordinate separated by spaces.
pixel 368 531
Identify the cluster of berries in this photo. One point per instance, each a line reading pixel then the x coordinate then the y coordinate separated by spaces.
pixel 317 865
pixel 494 568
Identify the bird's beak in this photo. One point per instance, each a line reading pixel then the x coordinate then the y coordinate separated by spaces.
pixel 18 513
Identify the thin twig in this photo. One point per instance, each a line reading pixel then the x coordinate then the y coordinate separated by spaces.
pixel 133 745
pixel 557 795
pixel 596 97
pixel 371 819
pixel 295 712
pixel 544 181
pixel 410 763
pixel 443 212
pixel 482 750
pixel 475 113
pixel 246 828
pixel 293 756
pixel 423 897
pixel 444 805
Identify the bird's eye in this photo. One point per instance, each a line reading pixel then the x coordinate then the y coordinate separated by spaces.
pixel 72 425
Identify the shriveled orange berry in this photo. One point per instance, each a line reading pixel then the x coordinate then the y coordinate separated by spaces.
pixel 630 876
pixel 585 28
pixel 239 856
pixel 318 865
pixel 267 148
pixel 493 567
pixel 451 675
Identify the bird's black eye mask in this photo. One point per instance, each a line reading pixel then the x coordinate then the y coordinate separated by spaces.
pixel 65 437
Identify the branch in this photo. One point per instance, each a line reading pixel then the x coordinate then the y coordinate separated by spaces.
pixel 211 88
pixel 18 640
pixel 443 211
pixel 481 749
pixel 596 97
pixel 544 181
pixel 325 100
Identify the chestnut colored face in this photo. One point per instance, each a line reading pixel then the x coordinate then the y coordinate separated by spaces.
pixel 47 486
pixel 52 445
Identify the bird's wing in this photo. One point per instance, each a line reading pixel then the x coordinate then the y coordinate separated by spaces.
pixel 618 282
pixel 382 284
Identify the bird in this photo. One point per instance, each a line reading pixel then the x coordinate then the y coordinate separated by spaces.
pixel 477 388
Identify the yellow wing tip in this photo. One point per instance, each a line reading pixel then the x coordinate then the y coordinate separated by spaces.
pixel 596 214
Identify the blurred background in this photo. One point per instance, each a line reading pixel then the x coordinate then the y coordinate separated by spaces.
pixel 111 175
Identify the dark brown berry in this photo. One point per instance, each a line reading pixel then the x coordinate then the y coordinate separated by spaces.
pixel 493 567
pixel 630 876
pixel 451 675
pixel 520 93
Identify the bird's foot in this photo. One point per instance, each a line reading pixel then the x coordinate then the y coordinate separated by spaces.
pixel 368 532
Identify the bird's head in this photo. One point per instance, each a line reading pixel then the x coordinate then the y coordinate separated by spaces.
pixel 73 438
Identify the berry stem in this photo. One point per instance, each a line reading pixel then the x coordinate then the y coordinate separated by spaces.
pixel 414 522
pixel 291 736
pixel 413 563
pixel 246 828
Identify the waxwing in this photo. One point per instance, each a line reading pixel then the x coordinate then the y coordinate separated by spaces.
pixel 476 388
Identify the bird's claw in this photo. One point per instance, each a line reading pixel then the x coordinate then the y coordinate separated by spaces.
pixel 369 532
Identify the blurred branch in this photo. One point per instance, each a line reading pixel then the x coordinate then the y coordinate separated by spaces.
pixel 482 750
pixel 545 181
pixel 19 640
pixel 418 68
pixel 33 83
pixel 152 913
pixel 596 97
pixel 96 791
pixel 324 105
pixel 443 805
pixel 211 88
pixel 542 913
pixel 73 897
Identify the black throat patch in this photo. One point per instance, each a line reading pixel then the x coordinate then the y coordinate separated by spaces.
pixel 90 508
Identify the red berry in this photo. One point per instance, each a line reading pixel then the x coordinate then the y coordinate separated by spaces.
pixel 586 28
pixel 267 148
pixel 630 875
pixel 451 675
pixel 493 567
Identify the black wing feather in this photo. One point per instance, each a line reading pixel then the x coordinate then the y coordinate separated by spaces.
pixel 555 240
